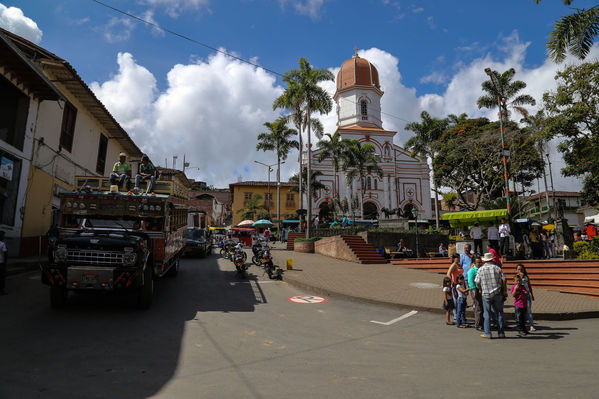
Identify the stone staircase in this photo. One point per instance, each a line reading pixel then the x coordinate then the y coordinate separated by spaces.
pixel 363 251
pixel 569 276
pixel 291 238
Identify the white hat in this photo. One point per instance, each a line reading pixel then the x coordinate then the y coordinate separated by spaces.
pixel 487 257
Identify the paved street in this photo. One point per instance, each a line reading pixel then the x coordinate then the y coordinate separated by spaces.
pixel 212 335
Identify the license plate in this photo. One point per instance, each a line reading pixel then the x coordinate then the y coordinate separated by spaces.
pixel 89 278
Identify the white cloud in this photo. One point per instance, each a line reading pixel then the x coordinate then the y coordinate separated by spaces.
pixel 436 77
pixel 12 19
pixel 174 8
pixel 118 29
pixel 310 8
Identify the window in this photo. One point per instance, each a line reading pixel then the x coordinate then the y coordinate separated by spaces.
pixel 101 164
pixel 268 197
pixel 9 187
pixel 247 196
pixel 67 131
pixel 364 108
pixel 290 203
pixel 290 197
pixel 376 184
pixel 368 183
pixel 14 109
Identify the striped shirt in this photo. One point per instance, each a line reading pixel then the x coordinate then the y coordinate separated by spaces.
pixel 490 278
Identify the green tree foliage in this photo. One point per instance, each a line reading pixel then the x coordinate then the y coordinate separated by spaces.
pixel 573 111
pixel 573 33
pixel 502 85
pixel 333 149
pixel 252 207
pixel 316 185
pixel 468 160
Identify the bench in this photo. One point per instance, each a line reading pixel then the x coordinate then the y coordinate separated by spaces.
pixel 391 253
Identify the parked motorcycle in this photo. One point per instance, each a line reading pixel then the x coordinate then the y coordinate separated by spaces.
pixel 239 257
pixel 273 271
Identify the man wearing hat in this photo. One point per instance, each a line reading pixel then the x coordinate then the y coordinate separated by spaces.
pixel 121 171
pixel 146 171
pixel 490 281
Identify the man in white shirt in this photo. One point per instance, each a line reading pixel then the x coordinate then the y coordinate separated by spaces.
pixel 493 236
pixel 504 237
pixel 477 235
pixel 3 260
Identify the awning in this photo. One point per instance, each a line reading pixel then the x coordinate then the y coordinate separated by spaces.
pixel 592 219
pixel 468 218
pixel 243 229
pixel 290 221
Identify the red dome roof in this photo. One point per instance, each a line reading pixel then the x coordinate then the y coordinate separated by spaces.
pixel 357 72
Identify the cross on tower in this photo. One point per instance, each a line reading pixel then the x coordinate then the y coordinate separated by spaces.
pixel 356 51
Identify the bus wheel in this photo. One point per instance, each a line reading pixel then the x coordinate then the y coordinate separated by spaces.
pixel 58 296
pixel 146 291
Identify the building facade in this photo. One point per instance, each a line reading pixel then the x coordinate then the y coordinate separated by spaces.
pixel 405 183
pixel 243 192
pixel 52 128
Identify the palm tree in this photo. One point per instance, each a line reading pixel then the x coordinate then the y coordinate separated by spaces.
pixel 574 33
pixel 360 160
pixel 501 85
pixel 252 207
pixel 316 185
pixel 428 132
pixel 332 148
pixel 278 139
pixel 310 97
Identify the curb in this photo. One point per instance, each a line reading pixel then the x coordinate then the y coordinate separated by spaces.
pixel 507 316
pixel 22 268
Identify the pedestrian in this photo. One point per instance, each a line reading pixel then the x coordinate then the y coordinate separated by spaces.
pixel 448 303
pixel 545 243
pixel 504 236
pixel 454 270
pixel 529 297
pixel 477 301
pixel 493 236
pixel 267 235
pixel 466 259
pixel 462 292
pixel 497 259
pixel 519 293
pixel 490 280
pixel 477 235
pixel 3 262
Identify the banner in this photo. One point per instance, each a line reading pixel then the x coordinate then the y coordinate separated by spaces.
pixel 6 168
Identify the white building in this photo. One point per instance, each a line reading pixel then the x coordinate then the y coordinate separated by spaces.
pixel 405 183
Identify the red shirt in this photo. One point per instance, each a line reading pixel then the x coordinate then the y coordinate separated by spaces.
pixel 496 257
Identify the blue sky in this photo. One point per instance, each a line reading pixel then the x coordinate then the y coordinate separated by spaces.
pixel 175 96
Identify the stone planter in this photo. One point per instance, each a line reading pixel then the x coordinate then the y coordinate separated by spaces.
pixel 305 246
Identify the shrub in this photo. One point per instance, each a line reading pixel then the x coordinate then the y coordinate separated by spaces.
pixel 311 239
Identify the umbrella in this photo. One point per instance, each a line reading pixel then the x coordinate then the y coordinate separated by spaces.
pixel 262 223
pixel 246 223
pixel 535 224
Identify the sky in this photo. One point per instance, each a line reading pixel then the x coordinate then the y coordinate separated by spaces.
pixel 176 97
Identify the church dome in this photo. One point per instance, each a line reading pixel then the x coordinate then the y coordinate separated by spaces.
pixel 357 72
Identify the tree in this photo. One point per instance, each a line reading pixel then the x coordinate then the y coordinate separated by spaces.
pixel 428 132
pixel 332 149
pixel 502 85
pixel 360 160
pixel 450 199
pixel 278 139
pixel 252 207
pixel 468 160
pixel 310 97
pixel 573 115
pixel 316 185
pixel 574 33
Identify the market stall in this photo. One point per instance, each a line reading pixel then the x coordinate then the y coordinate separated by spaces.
pixel 459 220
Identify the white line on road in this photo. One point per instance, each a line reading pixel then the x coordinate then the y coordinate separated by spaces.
pixel 388 323
pixel 251 281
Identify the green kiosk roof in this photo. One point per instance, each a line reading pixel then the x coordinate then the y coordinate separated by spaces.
pixel 467 218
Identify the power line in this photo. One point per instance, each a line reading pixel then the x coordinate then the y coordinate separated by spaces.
pixel 155 25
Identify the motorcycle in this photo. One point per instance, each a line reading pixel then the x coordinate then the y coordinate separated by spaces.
pixel 273 271
pixel 239 257
pixel 225 248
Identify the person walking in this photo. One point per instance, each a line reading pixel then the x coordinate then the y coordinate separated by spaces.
pixel 490 280
pixel 3 262
pixel 529 297
pixel 519 293
pixel 504 236
pixel 477 235
pixel 475 293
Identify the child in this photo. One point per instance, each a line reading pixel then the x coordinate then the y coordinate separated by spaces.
pixel 447 300
pixel 462 302
pixel 519 293
pixel 530 297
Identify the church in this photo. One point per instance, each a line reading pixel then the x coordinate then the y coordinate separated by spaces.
pixel 405 183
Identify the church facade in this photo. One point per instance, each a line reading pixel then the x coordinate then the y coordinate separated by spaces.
pixel 405 183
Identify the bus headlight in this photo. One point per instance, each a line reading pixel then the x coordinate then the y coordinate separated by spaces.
pixel 129 258
pixel 60 254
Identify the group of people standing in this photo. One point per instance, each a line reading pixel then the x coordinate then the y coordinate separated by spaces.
pixel 482 279
pixel 498 236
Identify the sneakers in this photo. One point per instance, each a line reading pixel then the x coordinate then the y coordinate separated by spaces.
pixel 485 336
pixel 532 329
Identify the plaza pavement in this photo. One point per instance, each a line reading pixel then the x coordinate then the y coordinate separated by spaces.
pixel 395 285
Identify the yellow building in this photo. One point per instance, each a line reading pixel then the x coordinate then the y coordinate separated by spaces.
pixel 243 192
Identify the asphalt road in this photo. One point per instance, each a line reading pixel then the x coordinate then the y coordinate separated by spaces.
pixel 211 334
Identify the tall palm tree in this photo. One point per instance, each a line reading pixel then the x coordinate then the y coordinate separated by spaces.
pixel 501 85
pixel 252 207
pixel 310 97
pixel 428 132
pixel 279 138
pixel 333 149
pixel 574 33
pixel 360 160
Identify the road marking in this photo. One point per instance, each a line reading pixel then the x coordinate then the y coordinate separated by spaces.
pixel 388 323
pixel 311 299
pixel 252 281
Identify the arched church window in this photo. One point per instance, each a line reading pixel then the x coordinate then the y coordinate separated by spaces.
pixel 364 109
pixel 376 184
pixel 368 183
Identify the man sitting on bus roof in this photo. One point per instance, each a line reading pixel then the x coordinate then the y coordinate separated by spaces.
pixel 146 171
pixel 121 171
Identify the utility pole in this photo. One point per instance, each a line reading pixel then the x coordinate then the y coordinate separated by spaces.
pixel 270 169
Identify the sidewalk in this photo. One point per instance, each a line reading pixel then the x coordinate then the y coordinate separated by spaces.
pixel 394 285
pixel 25 264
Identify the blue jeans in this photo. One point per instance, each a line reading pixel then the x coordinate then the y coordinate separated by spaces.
pixel 520 319
pixel 118 180
pixel 139 178
pixel 493 304
pixel 529 310
pixel 461 311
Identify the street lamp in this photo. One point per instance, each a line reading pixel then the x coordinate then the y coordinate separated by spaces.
pixel 503 150
pixel 270 169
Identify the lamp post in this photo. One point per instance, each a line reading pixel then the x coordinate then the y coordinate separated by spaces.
pixel 270 169
pixel 503 152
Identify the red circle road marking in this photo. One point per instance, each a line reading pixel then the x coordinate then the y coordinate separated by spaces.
pixel 309 299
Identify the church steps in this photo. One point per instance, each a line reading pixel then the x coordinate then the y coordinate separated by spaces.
pixel 363 251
